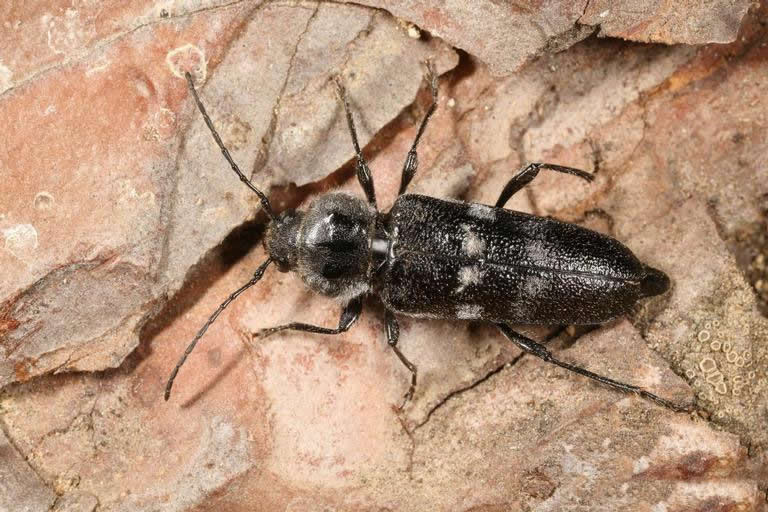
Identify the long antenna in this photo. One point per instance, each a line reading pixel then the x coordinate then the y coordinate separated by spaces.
pixel 255 279
pixel 262 197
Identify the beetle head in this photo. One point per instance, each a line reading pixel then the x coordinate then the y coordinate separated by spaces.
pixel 282 239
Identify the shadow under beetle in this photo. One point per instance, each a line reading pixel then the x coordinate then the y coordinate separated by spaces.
pixel 437 258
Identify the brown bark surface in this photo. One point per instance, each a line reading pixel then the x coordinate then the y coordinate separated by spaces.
pixel 123 229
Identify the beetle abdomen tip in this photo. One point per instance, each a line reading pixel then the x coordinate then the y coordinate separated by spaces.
pixel 655 282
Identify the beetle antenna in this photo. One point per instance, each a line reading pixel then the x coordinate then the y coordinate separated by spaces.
pixel 262 197
pixel 255 279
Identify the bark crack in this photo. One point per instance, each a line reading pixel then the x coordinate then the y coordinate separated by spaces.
pixel 168 208
pixel 6 432
pixel 470 386
pixel 263 157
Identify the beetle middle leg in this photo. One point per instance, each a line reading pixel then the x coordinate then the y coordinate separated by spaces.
pixel 528 173
pixel 531 347
pixel 393 335
pixel 349 316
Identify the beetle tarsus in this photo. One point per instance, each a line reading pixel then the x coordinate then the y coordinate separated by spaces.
pixel 393 335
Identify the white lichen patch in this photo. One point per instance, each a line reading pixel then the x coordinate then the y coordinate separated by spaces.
pixel 43 200
pixel 20 240
pixel 142 88
pixel 471 244
pixel 482 212
pixel 222 455
pixel 469 312
pixel 5 78
pixel 127 193
pixel 68 32
pixel 98 65
pixel 641 465
pixel 188 58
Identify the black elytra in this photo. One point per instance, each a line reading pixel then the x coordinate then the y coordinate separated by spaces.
pixel 437 258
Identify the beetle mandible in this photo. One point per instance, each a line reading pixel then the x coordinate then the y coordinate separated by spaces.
pixel 437 258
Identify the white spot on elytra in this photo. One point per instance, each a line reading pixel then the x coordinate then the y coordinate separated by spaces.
pixel 537 253
pixel 20 240
pixel 471 244
pixel 469 312
pixel 534 285
pixel 468 275
pixel 481 211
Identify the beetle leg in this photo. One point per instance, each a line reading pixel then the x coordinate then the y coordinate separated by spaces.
pixel 361 167
pixel 530 346
pixel 393 334
pixel 412 160
pixel 528 173
pixel 349 316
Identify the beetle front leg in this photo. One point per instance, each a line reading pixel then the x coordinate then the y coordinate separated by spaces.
pixel 349 316
pixel 412 159
pixel 538 350
pixel 528 173
pixel 393 335
pixel 361 167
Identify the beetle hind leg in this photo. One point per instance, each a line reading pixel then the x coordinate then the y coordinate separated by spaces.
pixel 538 350
pixel 526 175
pixel 393 335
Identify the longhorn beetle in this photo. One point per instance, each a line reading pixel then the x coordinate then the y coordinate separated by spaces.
pixel 438 258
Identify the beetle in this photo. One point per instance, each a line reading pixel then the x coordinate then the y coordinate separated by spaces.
pixel 438 258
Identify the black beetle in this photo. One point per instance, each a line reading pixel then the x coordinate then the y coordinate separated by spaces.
pixel 437 258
